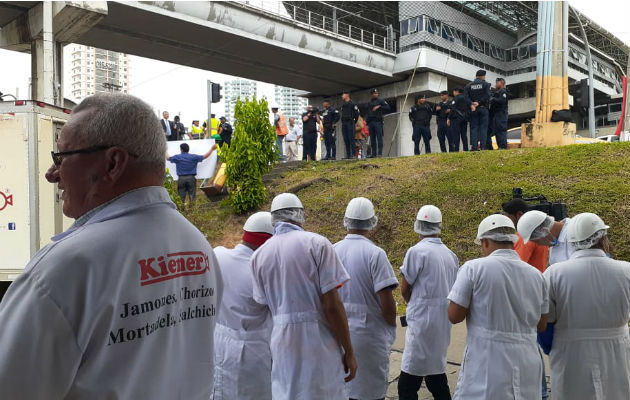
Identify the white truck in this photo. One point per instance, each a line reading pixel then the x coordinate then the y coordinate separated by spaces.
pixel 30 207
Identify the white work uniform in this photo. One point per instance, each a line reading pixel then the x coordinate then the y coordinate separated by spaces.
pixel 291 272
pixel 505 298
pixel 563 250
pixel 430 268
pixel 120 307
pixel 241 339
pixel 589 301
pixel 372 337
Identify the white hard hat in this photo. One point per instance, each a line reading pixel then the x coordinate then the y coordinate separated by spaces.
pixel 429 213
pixel 493 221
pixel 259 222
pixel 583 226
pixel 529 222
pixel 285 200
pixel 360 208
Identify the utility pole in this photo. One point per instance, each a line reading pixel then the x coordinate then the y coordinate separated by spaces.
pixel 625 127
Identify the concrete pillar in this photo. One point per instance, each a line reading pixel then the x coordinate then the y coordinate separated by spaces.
pixel 42 62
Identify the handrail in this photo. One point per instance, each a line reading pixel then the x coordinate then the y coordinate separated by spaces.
pixel 322 23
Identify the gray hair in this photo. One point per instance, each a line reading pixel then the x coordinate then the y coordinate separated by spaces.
pixel 126 121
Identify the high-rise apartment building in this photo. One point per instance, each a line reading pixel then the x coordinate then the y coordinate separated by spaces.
pixel 234 89
pixel 291 105
pixel 90 70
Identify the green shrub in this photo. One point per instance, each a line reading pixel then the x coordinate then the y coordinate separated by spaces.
pixel 171 188
pixel 250 155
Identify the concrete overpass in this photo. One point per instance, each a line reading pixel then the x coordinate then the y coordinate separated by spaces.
pixel 227 37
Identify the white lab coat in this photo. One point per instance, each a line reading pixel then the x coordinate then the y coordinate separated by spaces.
pixel 589 300
pixel 563 250
pixel 372 337
pixel 290 273
pixel 107 311
pixel 242 355
pixel 505 298
pixel 430 268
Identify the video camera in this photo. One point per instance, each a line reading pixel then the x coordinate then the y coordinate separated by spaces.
pixel 557 210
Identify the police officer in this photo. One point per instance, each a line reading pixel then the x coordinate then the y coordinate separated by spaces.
pixel 420 116
pixel 349 117
pixel 478 92
pixel 310 119
pixel 330 117
pixel 225 131
pixel 457 119
pixel 374 119
pixel 499 107
pixel 442 109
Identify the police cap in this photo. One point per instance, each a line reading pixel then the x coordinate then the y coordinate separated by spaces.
pixel 421 96
pixel 481 72
pixel 444 92
pixel 222 118
pixel 458 89
pixel 500 80
pixel 375 90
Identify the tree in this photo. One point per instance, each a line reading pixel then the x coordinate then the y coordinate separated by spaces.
pixel 250 155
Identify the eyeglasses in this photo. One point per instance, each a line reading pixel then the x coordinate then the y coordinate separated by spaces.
pixel 58 157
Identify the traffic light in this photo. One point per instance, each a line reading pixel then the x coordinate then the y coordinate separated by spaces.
pixel 216 93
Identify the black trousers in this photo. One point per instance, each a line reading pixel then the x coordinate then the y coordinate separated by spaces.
pixel 187 184
pixel 421 132
pixel 457 130
pixel 376 137
pixel 408 386
pixel 309 140
pixel 347 130
pixel 442 132
pixel 329 141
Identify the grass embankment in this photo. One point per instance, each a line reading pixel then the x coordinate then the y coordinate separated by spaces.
pixel 465 186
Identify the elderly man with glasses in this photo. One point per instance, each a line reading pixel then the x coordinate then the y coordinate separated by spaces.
pixel 123 303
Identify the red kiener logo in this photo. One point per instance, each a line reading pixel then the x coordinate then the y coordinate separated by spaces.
pixel 171 266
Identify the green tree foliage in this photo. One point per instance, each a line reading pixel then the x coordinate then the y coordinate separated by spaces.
pixel 171 188
pixel 250 155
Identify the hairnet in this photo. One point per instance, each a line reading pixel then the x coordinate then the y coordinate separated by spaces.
pixel 543 229
pixel 501 234
pixel 425 228
pixel 288 215
pixel 590 241
pixel 360 224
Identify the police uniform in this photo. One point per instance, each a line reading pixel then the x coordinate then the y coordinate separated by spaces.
pixel 499 108
pixel 330 116
pixel 349 117
pixel 225 130
pixel 478 91
pixel 309 137
pixel 374 120
pixel 420 116
pixel 460 107
pixel 442 128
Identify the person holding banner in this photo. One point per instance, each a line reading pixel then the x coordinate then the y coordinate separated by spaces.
pixel 186 168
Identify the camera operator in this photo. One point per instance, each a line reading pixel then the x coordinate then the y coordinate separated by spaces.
pixel 310 120
pixel 530 252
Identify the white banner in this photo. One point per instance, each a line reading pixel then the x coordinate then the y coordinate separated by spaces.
pixel 205 169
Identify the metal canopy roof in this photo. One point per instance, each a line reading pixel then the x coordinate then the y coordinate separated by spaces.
pixel 514 16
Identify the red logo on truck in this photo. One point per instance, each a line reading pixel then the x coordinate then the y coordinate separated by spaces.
pixel 171 266
pixel 5 201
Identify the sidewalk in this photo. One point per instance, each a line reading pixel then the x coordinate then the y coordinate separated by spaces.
pixel 454 358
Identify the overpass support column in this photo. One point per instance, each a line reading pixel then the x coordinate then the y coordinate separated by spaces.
pixel 46 82
pixel 551 79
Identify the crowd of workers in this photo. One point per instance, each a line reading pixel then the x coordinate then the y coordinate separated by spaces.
pixel 486 112
pixel 132 302
pixel 219 129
